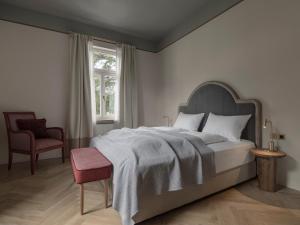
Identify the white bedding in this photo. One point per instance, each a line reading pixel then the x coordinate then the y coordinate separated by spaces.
pixel 152 161
pixel 229 155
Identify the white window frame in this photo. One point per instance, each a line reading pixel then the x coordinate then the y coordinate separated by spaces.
pixel 100 74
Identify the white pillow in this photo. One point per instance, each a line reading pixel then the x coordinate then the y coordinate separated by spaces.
pixel 188 121
pixel 207 138
pixel 230 127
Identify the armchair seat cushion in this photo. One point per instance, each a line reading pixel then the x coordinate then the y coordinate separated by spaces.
pixel 44 143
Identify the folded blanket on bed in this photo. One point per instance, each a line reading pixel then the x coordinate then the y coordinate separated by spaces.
pixel 151 161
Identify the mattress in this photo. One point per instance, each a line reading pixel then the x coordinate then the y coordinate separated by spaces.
pixel 229 155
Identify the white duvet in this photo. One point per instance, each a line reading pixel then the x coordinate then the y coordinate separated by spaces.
pixel 151 161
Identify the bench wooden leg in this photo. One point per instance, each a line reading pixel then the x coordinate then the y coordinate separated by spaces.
pixel 63 154
pixel 10 159
pixel 81 198
pixel 32 163
pixel 106 192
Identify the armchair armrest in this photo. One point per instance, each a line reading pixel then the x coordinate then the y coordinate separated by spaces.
pixel 56 133
pixel 21 140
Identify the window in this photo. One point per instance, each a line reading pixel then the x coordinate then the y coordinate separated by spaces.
pixel 105 82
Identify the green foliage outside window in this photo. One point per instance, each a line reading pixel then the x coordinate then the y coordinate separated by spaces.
pixel 104 61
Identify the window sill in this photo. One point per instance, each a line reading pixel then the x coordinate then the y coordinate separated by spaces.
pixel 105 122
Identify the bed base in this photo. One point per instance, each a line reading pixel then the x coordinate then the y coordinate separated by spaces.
pixel 154 205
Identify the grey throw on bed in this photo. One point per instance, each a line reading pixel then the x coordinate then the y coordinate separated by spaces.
pixel 150 161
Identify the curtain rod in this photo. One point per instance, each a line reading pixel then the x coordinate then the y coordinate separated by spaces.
pixel 96 38
pixel 106 40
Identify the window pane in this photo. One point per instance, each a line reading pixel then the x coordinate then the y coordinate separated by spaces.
pixel 109 93
pixel 97 95
pixel 105 61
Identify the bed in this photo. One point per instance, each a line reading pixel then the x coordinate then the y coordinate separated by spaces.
pixel 232 161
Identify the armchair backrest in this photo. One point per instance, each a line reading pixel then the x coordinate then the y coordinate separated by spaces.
pixel 12 117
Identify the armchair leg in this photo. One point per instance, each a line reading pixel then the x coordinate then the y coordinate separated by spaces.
pixel 37 157
pixel 63 154
pixel 10 158
pixel 32 163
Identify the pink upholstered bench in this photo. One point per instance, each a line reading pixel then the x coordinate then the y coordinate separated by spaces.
pixel 89 165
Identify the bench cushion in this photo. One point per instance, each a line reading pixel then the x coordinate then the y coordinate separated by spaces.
pixel 89 165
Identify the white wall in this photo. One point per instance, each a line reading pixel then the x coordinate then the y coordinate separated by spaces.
pixel 254 47
pixel 33 77
pixel 148 70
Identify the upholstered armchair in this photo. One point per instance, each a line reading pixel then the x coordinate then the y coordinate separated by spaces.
pixel 24 141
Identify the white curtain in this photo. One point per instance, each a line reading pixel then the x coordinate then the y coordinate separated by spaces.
pixel 128 96
pixel 80 127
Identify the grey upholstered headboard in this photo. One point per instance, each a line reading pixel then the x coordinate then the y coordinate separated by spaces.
pixel 219 98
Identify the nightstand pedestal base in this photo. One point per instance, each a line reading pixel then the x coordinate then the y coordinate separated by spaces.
pixel 266 172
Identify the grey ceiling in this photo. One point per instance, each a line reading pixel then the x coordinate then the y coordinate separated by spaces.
pixel 150 20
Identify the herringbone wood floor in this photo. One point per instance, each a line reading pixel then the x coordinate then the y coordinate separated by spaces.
pixel 51 198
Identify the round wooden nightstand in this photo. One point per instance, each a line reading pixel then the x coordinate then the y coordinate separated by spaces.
pixel 266 168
